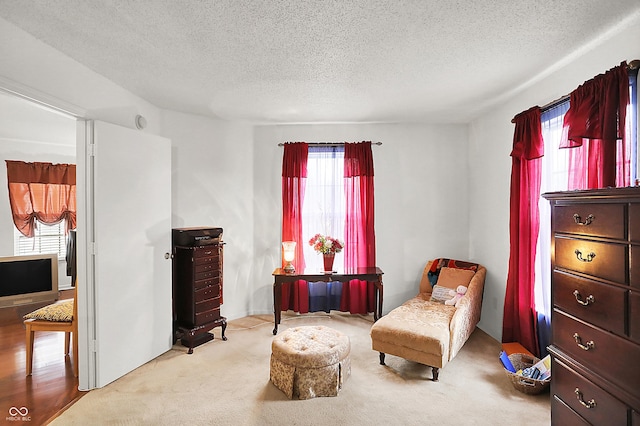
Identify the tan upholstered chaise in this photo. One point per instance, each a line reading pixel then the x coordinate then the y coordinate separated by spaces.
pixel 431 332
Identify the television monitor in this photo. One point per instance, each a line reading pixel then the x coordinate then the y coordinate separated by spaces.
pixel 28 279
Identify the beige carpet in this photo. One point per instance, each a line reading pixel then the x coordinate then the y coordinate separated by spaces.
pixel 227 383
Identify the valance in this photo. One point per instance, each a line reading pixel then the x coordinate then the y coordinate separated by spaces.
pixel 598 108
pixel 41 191
pixel 527 136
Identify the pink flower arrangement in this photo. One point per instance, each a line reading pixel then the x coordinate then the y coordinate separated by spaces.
pixel 325 244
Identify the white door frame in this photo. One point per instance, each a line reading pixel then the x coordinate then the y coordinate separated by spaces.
pixel 85 258
pixel 86 307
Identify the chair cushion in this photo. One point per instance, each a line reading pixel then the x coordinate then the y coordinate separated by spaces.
pixel 311 346
pixel 59 312
pixel 453 277
pixel 418 324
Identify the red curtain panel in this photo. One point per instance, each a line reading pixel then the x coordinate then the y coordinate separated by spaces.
pixel 519 323
pixel 294 175
pixel 360 239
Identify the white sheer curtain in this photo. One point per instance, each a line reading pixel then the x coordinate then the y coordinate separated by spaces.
pixel 554 177
pixel 323 211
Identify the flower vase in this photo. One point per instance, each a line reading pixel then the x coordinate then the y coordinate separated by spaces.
pixel 328 261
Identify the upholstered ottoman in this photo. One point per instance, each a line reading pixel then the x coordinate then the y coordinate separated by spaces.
pixel 310 361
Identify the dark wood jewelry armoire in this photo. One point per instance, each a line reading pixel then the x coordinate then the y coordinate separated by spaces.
pixel 197 285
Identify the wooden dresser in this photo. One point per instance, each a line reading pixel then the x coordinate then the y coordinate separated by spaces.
pixel 595 343
pixel 197 285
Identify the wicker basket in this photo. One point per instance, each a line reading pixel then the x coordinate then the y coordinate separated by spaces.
pixel 526 384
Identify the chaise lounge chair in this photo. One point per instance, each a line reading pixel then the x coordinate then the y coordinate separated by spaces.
pixel 426 330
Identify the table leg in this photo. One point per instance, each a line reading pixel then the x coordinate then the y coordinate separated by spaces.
pixel 376 298
pixel 379 293
pixel 277 299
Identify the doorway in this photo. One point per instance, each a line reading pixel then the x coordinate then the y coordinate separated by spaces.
pixel 113 170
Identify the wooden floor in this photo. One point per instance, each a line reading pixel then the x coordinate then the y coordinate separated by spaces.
pixel 50 389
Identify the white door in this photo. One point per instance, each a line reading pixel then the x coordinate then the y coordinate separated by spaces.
pixel 128 230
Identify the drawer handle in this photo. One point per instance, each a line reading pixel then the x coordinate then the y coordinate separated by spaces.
pixel 588 404
pixel 589 257
pixel 588 346
pixel 586 222
pixel 590 299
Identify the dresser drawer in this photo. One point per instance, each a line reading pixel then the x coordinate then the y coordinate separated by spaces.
pixel 585 398
pixel 204 275
pixel 208 292
pixel 634 316
pixel 215 280
pixel 562 415
pixel 205 267
pixel 601 220
pixel 208 316
pixel 596 303
pixel 207 305
pixel 612 357
pixel 205 252
pixel 604 260
pixel 198 261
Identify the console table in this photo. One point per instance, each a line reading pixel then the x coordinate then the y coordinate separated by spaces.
pixel 372 275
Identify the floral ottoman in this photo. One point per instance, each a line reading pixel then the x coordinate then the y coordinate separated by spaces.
pixel 310 361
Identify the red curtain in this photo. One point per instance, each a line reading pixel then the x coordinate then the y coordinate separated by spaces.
pixel 360 240
pixel 294 175
pixel 42 191
pixel 519 323
pixel 595 130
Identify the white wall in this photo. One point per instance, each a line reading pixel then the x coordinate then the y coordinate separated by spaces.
pixel 490 141
pixel 30 133
pixel 228 175
pixel 421 195
pixel 212 185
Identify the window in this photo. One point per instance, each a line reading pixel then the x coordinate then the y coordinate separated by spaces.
pixel 323 211
pixel 352 186
pixel 555 177
pixel 47 239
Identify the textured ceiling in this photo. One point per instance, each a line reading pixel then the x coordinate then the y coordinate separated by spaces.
pixel 320 61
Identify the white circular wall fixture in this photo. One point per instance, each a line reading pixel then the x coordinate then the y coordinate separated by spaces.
pixel 141 122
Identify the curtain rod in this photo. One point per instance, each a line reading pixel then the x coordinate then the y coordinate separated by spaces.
pixel 330 143
pixel 632 66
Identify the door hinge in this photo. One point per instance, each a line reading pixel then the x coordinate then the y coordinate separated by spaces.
pixel 91 248
pixel 93 346
pixel 91 150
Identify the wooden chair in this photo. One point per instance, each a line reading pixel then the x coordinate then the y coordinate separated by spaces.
pixel 46 321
